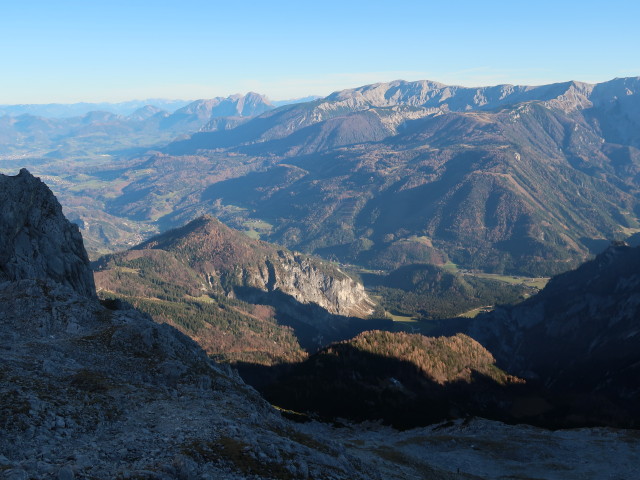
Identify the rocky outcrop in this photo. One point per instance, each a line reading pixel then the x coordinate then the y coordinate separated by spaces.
pixel 308 282
pixel 36 240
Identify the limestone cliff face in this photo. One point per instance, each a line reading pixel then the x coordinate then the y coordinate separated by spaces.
pixel 306 281
pixel 36 240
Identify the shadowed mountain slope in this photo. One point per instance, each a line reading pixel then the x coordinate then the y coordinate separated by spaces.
pixel 575 345
pixel 406 380
pixel 580 334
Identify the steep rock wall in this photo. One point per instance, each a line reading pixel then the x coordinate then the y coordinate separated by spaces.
pixel 308 282
pixel 36 240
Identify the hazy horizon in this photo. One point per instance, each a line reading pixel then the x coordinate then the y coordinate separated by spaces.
pixel 292 99
pixel 73 51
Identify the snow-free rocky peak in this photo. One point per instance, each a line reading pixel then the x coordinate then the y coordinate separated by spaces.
pixel 36 240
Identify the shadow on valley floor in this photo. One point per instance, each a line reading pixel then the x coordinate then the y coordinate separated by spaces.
pixel 313 326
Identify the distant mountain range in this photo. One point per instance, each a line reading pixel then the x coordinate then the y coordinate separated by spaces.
pixel 509 178
pixel 66 110
pixel 529 180
pixel 384 108
pixel 101 132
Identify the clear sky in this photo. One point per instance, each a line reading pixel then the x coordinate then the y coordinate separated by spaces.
pixel 113 50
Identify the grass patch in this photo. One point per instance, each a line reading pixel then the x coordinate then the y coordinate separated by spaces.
pixel 450 267
pixel 252 234
pixel 121 269
pixel 536 282
pixel 475 312
pixel 256 228
pixel 401 318
pixel 258 225
pixel 200 299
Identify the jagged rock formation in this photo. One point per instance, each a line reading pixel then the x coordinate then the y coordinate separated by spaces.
pixel 36 241
pixel 309 281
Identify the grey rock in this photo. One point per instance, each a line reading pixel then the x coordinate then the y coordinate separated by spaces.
pixel 36 240
pixel 45 468
pixel 66 473
pixel 15 474
pixel 185 467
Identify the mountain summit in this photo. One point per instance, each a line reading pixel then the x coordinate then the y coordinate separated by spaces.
pixel 228 258
pixel 248 105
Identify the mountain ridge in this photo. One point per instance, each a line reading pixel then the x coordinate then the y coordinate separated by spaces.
pixel 428 97
pixel 398 180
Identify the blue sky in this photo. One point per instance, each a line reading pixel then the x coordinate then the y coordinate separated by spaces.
pixel 68 51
